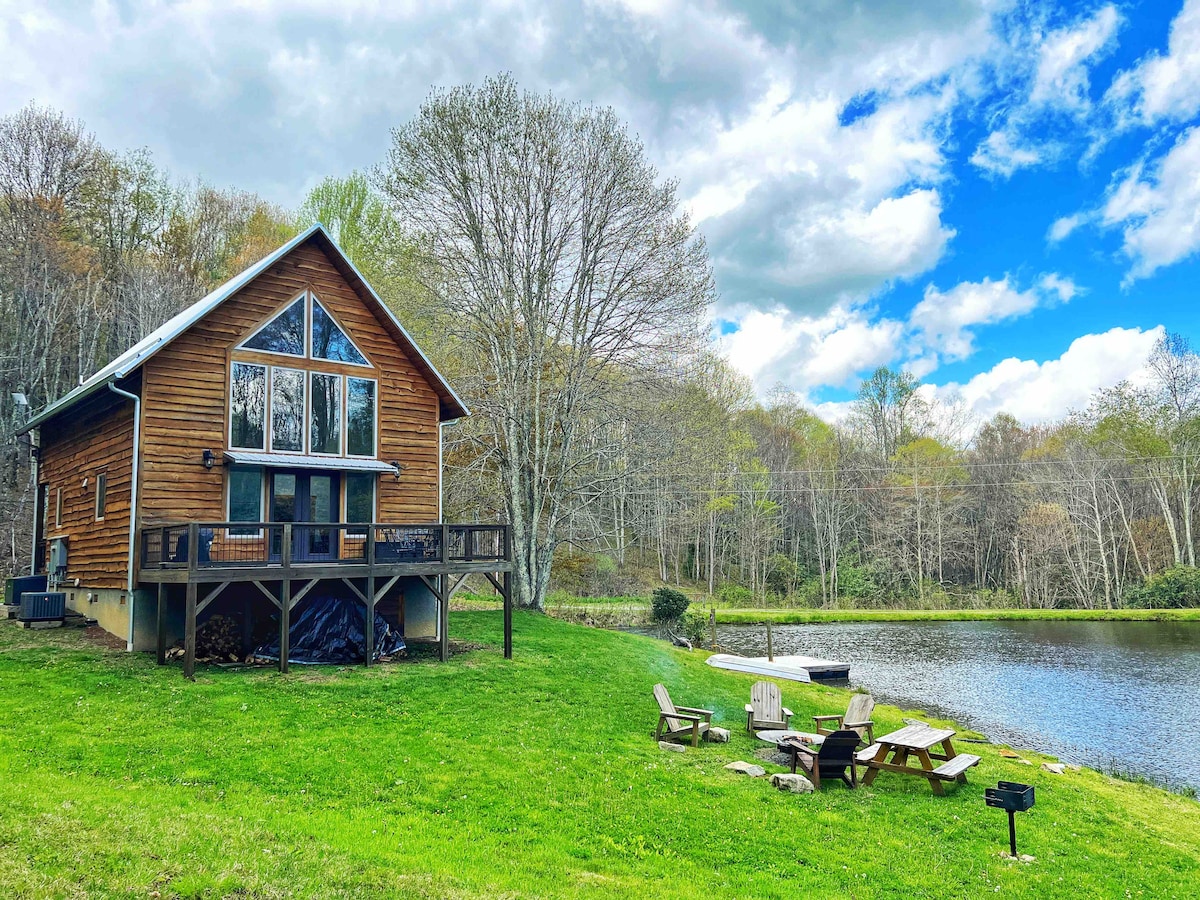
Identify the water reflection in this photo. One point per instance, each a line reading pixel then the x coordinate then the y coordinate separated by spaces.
pixel 1105 694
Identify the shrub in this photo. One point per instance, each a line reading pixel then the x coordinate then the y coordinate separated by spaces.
pixel 735 595
pixel 694 625
pixel 1174 588
pixel 668 604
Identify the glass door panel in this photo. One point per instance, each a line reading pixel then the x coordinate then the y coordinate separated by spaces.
pixel 320 509
pixel 283 506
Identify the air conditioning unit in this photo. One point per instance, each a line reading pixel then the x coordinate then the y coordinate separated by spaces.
pixel 43 607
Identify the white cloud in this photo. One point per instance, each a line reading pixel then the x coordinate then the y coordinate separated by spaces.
pixel 1046 77
pixel 1064 57
pixel 944 322
pixel 1065 227
pixel 1163 86
pixel 1158 209
pixel 997 154
pixel 1043 392
pixel 809 352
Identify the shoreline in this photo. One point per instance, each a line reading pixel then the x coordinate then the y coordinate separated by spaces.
pixel 819 616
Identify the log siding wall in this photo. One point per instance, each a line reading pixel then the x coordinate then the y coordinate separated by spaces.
pixel 96 436
pixel 185 402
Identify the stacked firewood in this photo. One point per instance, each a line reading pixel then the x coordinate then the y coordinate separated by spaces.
pixel 217 640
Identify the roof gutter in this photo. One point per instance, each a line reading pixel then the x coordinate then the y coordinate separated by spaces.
pixel 133 498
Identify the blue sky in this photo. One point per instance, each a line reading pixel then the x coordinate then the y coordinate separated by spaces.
pixel 1002 196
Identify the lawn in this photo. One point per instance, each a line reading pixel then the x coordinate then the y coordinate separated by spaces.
pixel 481 777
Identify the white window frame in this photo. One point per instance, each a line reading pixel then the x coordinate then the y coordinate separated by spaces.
pixel 375 453
pixel 304 413
pixel 303 295
pixel 315 301
pixel 341 450
pixel 101 499
pixel 58 507
pixel 263 488
pixel 266 405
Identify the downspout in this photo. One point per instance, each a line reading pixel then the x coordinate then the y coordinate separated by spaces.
pixel 133 498
pixel 35 451
pixel 439 518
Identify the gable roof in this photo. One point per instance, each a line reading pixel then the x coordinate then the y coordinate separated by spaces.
pixel 451 406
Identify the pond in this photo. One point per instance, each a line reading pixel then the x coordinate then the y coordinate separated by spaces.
pixel 1121 696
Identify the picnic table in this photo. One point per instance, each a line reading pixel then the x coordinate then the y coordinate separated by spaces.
pixel 917 742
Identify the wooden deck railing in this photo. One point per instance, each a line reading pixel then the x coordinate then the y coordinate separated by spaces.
pixel 220 545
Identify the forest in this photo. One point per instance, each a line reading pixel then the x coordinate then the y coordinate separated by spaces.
pixel 625 451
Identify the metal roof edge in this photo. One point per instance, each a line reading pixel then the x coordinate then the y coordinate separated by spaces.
pixel 395 321
pixel 169 330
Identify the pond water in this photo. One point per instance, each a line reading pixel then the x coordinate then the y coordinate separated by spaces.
pixel 1111 695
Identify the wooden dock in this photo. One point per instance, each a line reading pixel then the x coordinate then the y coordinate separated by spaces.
pixel 793 668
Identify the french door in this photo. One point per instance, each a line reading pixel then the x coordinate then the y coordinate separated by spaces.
pixel 302 497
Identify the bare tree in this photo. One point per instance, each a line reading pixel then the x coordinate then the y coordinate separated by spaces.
pixel 564 266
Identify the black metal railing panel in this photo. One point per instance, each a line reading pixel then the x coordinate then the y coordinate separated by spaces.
pixel 408 543
pixel 261 544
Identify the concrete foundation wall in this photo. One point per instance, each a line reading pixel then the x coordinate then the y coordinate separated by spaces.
pixel 108 606
pixel 420 610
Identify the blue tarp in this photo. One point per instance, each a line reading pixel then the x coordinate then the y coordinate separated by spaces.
pixel 331 630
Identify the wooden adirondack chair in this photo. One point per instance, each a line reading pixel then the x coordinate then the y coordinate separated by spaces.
pixel 857 718
pixel 830 760
pixel 766 709
pixel 679 721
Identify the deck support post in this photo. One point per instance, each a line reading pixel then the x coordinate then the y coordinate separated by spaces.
pixel 189 613
pixel 369 621
pixel 443 618
pixel 285 607
pixel 506 580
pixel 161 625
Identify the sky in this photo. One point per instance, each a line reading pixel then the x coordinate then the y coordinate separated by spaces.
pixel 1001 197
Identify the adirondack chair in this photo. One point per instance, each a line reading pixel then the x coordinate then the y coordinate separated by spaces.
pixel 766 709
pixel 857 718
pixel 679 721
pixel 830 760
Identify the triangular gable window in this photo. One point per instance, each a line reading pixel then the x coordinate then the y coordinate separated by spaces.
pixel 282 334
pixel 330 342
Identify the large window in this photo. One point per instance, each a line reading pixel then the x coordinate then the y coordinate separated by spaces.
pixel 283 334
pixel 287 409
pixel 329 341
pixel 245 499
pixel 360 498
pixel 325 428
pixel 360 417
pixel 248 406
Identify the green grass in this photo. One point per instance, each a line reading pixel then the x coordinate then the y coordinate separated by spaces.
pixel 813 616
pixel 488 778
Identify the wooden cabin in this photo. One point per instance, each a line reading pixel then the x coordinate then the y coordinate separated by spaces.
pixel 280 437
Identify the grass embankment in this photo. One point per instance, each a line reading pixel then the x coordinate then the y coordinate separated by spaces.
pixel 482 777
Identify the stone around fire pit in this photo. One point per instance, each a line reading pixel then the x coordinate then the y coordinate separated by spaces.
pixel 795 784
pixel 747 769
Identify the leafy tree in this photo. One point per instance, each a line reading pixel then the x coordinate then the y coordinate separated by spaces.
pixel 559 258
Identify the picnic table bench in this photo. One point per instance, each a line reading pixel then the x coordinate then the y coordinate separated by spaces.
pixel 918 741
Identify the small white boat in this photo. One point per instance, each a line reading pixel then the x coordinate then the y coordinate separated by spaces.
pixel 793 668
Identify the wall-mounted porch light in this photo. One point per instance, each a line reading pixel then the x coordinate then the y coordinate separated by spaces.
pixel 209 459
pixel 399 468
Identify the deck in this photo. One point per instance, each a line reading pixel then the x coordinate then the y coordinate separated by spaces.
pixel 286 560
